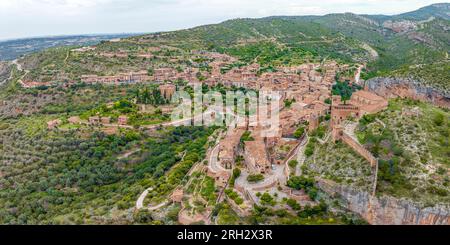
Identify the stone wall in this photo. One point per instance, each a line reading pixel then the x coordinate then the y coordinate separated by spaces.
pixel 408 88
pixel 359 149
pixel 240 211
pixel 386 210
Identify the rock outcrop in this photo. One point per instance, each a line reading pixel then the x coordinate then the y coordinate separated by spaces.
pixel 385 210
pixel 408 88
pixel 5 71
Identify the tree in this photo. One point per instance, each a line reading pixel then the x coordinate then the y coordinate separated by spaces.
pixel 253 178
pixel 309 151
pixel 267 199
pixel 299 132
pixel 293 204
pixel 293 163
pixel 236 173
pixel 303 183
pixel 143 216
pixel 438 119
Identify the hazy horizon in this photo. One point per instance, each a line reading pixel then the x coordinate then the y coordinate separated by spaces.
pixel 21 19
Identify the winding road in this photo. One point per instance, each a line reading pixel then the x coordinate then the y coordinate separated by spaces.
pixel 20 68
pixel 140 201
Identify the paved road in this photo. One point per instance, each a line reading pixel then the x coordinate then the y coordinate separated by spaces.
pixel 214 163
pixel 140 201
pixel 276 175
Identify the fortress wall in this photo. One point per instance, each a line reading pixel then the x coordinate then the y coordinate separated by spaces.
pixel 359 149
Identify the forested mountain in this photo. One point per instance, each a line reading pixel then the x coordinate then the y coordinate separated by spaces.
pixel 12 49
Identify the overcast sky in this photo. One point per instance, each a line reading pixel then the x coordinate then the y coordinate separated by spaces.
pixel 29 18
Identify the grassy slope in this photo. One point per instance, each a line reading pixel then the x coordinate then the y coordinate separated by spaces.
pixel 338 162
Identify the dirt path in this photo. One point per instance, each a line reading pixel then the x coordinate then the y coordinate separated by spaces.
pixel 301 157
pixel 127 154
pixel 67 57
pixel 20 68
pixel 373 53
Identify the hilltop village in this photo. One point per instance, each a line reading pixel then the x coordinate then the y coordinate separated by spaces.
pixel 308 85
pixel 320 105
pixel 340 119
pixel 248 168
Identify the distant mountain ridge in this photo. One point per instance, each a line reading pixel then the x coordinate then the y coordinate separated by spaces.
pixel 13 48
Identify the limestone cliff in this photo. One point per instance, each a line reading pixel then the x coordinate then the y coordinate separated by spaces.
pixel 408 88
pixel 5 71
pixel 385 210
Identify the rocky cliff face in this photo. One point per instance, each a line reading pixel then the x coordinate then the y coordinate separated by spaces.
pixel 5 71
pixel 386 210
pixel 408 88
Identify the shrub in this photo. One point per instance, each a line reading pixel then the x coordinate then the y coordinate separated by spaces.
pixel 309 151
pixel 299 132
pixel 247 137
pixel 293 204
pixel 303 183
pixel 300 182
pixel 143 216
pixel 253 178
pixel 293 163
pixel 438 119
pixel 267 199
pixel 236 174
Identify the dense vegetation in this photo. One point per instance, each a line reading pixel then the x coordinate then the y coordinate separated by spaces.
pixel 345 90
pixel 76 177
